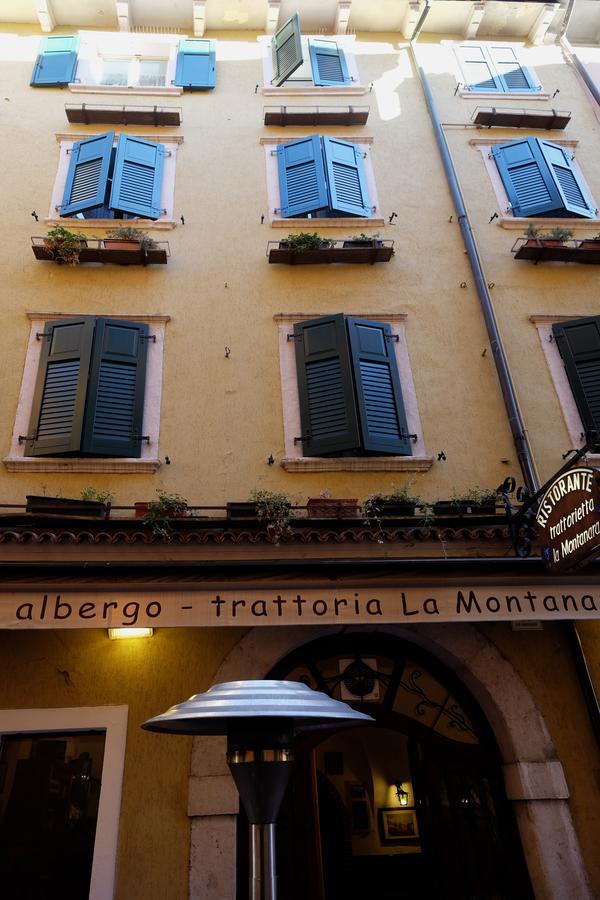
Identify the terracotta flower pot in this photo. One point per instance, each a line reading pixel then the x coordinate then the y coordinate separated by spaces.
pixel 332 508
pixel 117 244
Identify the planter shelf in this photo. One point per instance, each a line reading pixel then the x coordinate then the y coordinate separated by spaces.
pixel 339 252
pixel 536 250
pixel 94 113
pixel 332 508
pixel 67 507
pixel 509 117
pixel 316 115
pixel 100 250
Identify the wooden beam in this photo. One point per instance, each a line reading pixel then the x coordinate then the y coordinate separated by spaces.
pixel 45 15
pixel 413 11
pixel 474 20
pixel 272 20
pixel 124 15
pixel 541 24
pixel 199 14
pixel 342 14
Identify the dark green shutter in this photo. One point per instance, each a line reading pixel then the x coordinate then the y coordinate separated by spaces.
pixel 378 391
pixel 579 345
pixel 286 50
pixel 59 399
pixel 115 405
pixel 328 413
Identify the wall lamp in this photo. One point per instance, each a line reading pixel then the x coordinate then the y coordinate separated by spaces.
pixel 119 634
pixel 401 794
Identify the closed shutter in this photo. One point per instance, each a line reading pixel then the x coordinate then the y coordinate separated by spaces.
pixel 60 393
pixel 328 412
pixel 137 177
pixel 513 76
pixel 328 63
pixel 378 391
pixel 115 405
pixel 196 64
pixel 87 177
pixel 56 62
pixel 302 184
pixel 286 50
pixel 477 69
pixel 575 198
pixel 530 187
pixel 579 345
pixel 348 191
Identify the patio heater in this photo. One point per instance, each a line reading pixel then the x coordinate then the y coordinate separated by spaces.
pixel 260 719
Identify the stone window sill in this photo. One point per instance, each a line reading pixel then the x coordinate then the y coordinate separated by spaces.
pixel 146 224
pixel 171 91
pixel 520 223
pixel 357 464
pixel 308 90
pixel 505 95
pixel 81 464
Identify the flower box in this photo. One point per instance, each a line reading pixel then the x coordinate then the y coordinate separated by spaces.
pixel 338 252
pixel 332 508
pixel 65 506
pixel 464 508
pixel 242 510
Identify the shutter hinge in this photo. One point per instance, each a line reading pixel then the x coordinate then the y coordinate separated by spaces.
pixel 69 151
pixel 302 439
pixel 293 337
pixel 413 437
pixel 392 337
pixel 42 334
pixel 27 437
pixel 148 337
pixel 140 437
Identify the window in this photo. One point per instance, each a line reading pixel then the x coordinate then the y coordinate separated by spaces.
pixel 135 71
pixel 90 395
pixel 540 179
pixel 578 342
pixel 349 402
pixel 495 68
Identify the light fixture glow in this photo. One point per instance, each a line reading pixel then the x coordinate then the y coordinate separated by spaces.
pixel 118 634
pixel 401 794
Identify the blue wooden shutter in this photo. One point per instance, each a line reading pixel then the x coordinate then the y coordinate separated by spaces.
pixel 575 198
pixel 302 183
pixel 348 191
pixel 115 403
pixel 328 63
pixel 328 412
pixel 56 62
pixel 513 76
pixel 59 398
pixel 137 177
pixel 377 385
pixel 286 50
pixel 579 345
pixel 530 187
pixel 478 69
pixel 87 177
pixel 196 64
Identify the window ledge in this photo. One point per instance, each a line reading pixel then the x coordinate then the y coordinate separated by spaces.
pixel 520 223
pixel 505 95
pixel 315 91
pixel 357 463
pixel 77 88
pixel 123 465
pixel 350 222
pixel 146 224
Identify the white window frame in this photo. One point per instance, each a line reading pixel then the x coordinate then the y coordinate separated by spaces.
pixel 113 721
pixel 462 80
pixel 95 46
pixel 167 194
pixel 293 460
pixel 132 69
pixel 300 87
pixel 147 463
pixel 274 196
pixel 506 218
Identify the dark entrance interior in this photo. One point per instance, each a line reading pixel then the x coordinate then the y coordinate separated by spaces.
pixel 410 808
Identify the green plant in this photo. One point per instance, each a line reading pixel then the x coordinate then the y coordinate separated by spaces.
pixel 306 240
pixel 167 506
pixel 364 237
pixel 476 495
pixel 274 507
pixel 65 245
pixel 90 493
pixel 555 234
pixel 127 233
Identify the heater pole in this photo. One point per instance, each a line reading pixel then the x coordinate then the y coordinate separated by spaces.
pixel 263 862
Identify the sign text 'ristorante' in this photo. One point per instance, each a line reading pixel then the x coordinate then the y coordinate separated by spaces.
pixel 568 519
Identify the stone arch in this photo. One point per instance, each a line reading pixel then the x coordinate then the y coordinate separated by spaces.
pixel 533 774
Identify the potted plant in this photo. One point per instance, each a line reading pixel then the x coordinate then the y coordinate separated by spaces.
pixel 64 245
pixel 93 504
pixel 592 243
pixel 274 507
pixel 128 238
pixel 556 237
pixel 305 241
pixel 363 240
pixel 399 502
pixel 158 512
pixel 327 507
pixel 476 501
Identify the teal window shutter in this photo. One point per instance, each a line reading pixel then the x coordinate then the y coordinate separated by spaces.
pixel 328 63
pixel 575 198
pixel 302 184
pixel 87 177
pixel 56 62
pixel 115 402
pixel 328 411
pixel 478 69
pixel 512 75
pixel 196 64
pixel 286 50
pixel 348 191
pixel 377 386
pixel 58 408
pixel 579 344
pixel 530 187
pixel 137 177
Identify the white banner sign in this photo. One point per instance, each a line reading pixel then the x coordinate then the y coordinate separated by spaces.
pixel 271 606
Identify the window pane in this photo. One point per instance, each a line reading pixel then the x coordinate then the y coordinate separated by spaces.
pixel 153 72
pixel 114 71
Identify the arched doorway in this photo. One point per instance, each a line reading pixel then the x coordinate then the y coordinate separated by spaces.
pixel 410 808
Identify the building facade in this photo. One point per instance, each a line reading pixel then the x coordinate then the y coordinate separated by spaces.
pixel 424 345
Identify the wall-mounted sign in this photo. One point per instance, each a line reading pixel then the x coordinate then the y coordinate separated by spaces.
pixel 568 519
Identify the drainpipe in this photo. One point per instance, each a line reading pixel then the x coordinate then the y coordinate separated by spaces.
pixel 572 58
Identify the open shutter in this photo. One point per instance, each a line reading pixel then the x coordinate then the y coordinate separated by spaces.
pixel 477 69
pixel 286 50
pixel 513 76
pixel 328 411
pixel 302 184
pixel 60 392
pixel 530 187
pixel 328 63
pixel 56 62
pixel 115 405
pixel 348 191
pixel 87 178
pixel 196 64
pixel 579 345
pixel 378 392
pixel 575 198
pixel 137 177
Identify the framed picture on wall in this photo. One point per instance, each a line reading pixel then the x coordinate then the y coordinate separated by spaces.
pixel 398 825
pixel 359 807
